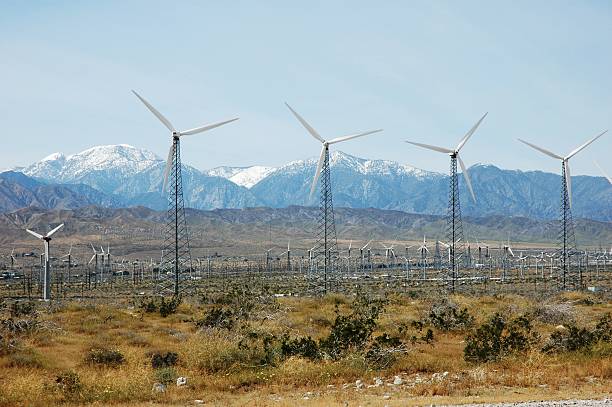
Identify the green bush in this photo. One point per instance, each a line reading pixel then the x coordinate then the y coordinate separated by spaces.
pixel 304 347
pixel 169 307
pixel 104 357
pixel 446 317
pixel 217 317
pixel 575 339
pixel 498 337
pixel 352 332
pixel 160 360
pixel 382 352
pixel 165 375
pixel 20 308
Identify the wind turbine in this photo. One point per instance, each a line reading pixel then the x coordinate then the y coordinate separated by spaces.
pixel 567 237
pixel 454 225
pixel 47 271
pixel 177 243
pixel 13 259
pixel 69 255
pixel 326 230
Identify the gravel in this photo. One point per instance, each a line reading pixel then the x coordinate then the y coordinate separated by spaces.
pixel 561 403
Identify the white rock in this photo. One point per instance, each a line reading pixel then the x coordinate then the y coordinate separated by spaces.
pixel 359 384
pixel 386 397
pixel 181 381
pixel 397 380
pixel 378 381
pixel 198 401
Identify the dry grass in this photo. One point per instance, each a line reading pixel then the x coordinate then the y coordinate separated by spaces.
pixel 221 371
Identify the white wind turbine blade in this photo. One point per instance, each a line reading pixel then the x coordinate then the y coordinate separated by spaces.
pixel 467 177
pixel 542 150
pixel 37 235
pixel 92 259
pixel 318 173
pixel 469 133
pixel 568 181
pixel 352 136
pixel 308 127
pixel 603 172
pixel 168 167
pixel 157 114
pixel 207 127
pixel 582 147
pixel 55 230
pixel 435 148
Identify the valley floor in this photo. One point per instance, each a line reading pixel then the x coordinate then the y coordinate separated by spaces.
pixel 243 346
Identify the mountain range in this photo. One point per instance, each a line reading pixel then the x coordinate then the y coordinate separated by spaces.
pixel 124 176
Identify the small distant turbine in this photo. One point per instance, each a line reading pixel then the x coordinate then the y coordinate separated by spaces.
pixel 47 270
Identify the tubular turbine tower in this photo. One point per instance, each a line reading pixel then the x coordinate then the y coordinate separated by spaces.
pixel 567 239
pixel 454 226
pixel 176 253
pixel 326 243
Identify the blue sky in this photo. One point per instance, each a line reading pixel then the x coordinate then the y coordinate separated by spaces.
pixel 422 70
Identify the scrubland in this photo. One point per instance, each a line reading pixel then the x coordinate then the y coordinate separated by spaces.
pixel 245 346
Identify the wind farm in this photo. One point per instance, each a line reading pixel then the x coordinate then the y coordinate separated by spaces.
pixel 250 266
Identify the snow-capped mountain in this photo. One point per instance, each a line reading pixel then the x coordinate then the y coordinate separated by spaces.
pixel 129 176
pixel 243 176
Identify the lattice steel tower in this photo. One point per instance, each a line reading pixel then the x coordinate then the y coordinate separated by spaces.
pixel 454 225
pixel 326 245
pixel 176 258
pixel 567 239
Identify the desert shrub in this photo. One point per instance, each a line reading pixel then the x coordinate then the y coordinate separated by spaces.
pixel 414 332
pixel 165 375
pixel 165 307
pixel 603 329
pixel 70 383
pixel 498 337
pixel 576 339
pixel 304 347
pixel 571 339
pixel 11 326
pixel 149 305
pixel 217 317
pixel 22 308
pixel 104 357
pixel 169 307
pixel 160 360
pixel 352 332
pixel 446 316
pixel 382 352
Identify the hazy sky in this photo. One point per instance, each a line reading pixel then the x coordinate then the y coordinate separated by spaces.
pixel 422 70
